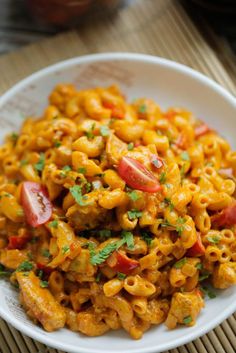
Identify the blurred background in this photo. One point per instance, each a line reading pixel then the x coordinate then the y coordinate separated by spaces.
pixel 27 21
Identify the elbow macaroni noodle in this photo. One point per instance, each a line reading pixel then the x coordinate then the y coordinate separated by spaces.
pixel 170 242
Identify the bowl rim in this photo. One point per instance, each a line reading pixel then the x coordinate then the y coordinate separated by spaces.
pixel 118 56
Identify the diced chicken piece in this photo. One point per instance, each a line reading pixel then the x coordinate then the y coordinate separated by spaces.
pixel 224 275
pixel 88 216
pixel 184 309
pixel 40 302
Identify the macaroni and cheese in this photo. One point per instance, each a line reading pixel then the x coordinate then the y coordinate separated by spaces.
pixel 114 214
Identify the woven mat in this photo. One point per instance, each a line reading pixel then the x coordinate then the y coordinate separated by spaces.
pixel 153 27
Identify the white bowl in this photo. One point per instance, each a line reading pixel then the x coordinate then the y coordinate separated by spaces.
pixel 170 84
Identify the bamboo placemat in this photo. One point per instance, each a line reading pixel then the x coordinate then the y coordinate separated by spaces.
pixel 153 27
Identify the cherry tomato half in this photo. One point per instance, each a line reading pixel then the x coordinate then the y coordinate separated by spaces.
pixel 35 202
pixel 226 217
pixel 122 263
pixel 198 249
pixel 137 176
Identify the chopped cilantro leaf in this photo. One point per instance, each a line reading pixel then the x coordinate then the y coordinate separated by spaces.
pixel 204 276
pixel 128 238
pixel 82 170
pixel 43 284
pixel 121 275
pixel 147 238
pixel 76 192
pixel 207 291
pixel 133 195
pixel 180 263
pixel 25 266
pixel 57 144
pixel 39 166
pixel 199 266
pixel 53 224
pixel 187 320
pixel 98 277
pixel 14 137
pixel 89 133
pixel 105 131
pixel 88 187
pixel 46 253
pixel 185 156
pixel 214 239
pixel 133 214
pixel 67 168
pixel 65 249
pixel 130 146
pixel 169 203
pixel 142 108
pixel 102 255
pixel 162 178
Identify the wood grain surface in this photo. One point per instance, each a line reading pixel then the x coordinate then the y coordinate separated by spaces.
pixel 154 27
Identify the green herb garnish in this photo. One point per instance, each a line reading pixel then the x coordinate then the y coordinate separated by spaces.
pixel 53 224
pixel 67 168
pixel 180 263
pixel 89 133
pixel 204 276
pixel 43 284
pixel 142 108
pixel 134 214
pixel 57 144
pixel 65 249
pixel 46 253
pixel 185 156
pixel 199 266
pixel 133 195
pixel 82 170
pixel 169 203
pixel 76 192
pixel 147 238
pixel 121 275
pixel 105 131
pixel 207 291
pixel 130 146
pixel 187 320
pixel 39 166
pixel 214 239
pixel 102 255
pixel 162 178
pixel 24 266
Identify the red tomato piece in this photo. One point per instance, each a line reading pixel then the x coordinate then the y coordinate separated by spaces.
pixel 36 204
pixel 137 176
pixel 122 263
pixel 201 129
pixel 46 269
pixel 226 217
pixel 198 249
pixel 156 161
pixel 17 242
pixel 116 112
